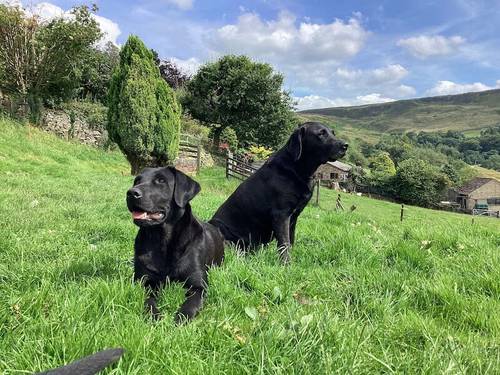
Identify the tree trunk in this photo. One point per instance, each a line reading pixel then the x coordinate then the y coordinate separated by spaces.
pixel 216 140
pixel 137 164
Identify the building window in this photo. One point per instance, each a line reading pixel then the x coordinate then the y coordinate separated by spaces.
pixel 495 201
pixel 334 176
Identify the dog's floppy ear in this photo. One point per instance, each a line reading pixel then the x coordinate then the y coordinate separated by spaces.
pixel 185 188
pixel 295 143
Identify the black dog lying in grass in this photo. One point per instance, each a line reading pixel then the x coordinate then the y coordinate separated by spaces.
pixel 268 203
pixel 171 244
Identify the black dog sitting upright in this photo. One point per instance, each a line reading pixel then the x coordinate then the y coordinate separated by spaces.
pixel 171 244
pixel 267 204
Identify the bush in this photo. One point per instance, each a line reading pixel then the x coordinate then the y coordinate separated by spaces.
pixel 143 116
pixel 93 113
pixel 229 137
pixel 259 152
pixel 417 182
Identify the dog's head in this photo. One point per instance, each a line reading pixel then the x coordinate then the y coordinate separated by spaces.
pixel 317 141
pixel 158 191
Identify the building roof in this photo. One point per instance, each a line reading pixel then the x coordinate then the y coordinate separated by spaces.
pixel 474 184
pixel 342 166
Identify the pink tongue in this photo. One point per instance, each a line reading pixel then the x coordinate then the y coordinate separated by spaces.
pixel 138 214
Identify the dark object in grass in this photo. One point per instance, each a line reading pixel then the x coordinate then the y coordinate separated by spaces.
pixel 89 365
pixel 172 244
pixel 266 205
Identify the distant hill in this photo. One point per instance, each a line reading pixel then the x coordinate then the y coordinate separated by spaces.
pixel 468 112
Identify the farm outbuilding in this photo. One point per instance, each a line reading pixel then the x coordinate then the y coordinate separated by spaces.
pixel 479 193
pixel 334 171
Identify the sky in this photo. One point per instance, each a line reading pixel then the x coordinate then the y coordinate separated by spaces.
pixel 331 53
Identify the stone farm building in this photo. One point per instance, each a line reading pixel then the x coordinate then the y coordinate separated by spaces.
pixel 479 193
pixel 334 171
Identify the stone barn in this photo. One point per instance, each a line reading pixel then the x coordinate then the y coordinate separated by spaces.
pixel 478 193
pixel 334 171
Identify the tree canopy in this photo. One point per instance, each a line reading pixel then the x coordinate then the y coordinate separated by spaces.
pixel 143 115
pixel 247 96
pixel 41 59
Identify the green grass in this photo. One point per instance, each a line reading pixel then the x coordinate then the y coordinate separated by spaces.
pixel 364 293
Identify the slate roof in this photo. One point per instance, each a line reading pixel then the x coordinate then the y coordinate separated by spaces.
pixel 474 184
pixel 342 166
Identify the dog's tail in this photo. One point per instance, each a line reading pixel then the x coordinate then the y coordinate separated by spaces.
pixel 89 365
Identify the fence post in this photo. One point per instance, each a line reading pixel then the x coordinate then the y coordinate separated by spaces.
pixel 339 205
pixel 317 191
pixel 229 156
pixel 402 211
pixel 198 157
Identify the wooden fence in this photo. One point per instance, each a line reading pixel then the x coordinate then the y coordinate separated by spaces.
pixel 190 147
pixel 238 168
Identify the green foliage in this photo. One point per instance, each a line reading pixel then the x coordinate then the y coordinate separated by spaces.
pixel 364 294
pixel 96 71
pixel 483 150
pixel 228 136
pixel 382 169
pixel 244 95
pixel 418 182
pixel 41 59
pixel 259 152
pixel 94 113
pixel 143 116
pixel 193 127
pixel 382 163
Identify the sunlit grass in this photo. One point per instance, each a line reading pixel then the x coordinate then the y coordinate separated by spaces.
pixel 365 293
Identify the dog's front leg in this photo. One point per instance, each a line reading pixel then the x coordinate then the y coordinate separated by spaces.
pixel 152 290
pixel 281 228
pixel 192 304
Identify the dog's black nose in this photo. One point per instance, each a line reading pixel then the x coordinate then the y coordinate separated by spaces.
pixel 344 146
pixel 134 193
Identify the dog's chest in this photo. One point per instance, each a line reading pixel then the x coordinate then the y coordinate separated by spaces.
pixel 157 263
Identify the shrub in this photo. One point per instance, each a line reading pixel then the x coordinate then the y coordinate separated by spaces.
pixel 259 152
pixel 417 182
pixel 143 116
pixel 93 113
pixel 228 136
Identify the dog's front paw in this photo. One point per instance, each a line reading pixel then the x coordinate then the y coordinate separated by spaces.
pixel 152 309
pixel 181 318
pixel 285 259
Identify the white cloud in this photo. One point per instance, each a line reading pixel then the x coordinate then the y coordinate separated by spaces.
pixel 380 76
pixel 403 91
pixel 316 101
pixel 451 88
pixel 48 11
pixel 497 84
pixel 111 31
pixel 372 99
pixel 182 4
pixel 282 41
pixel 424 46
pixel 189 66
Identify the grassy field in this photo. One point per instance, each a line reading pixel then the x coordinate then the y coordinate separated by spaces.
pixel 364 293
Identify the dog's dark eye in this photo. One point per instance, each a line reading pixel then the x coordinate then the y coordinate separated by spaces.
pixel 322 133
pixel 160 180
pixel 137 180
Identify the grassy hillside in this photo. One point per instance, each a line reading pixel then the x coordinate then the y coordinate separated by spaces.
pixel 364 294
pixel 465 112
